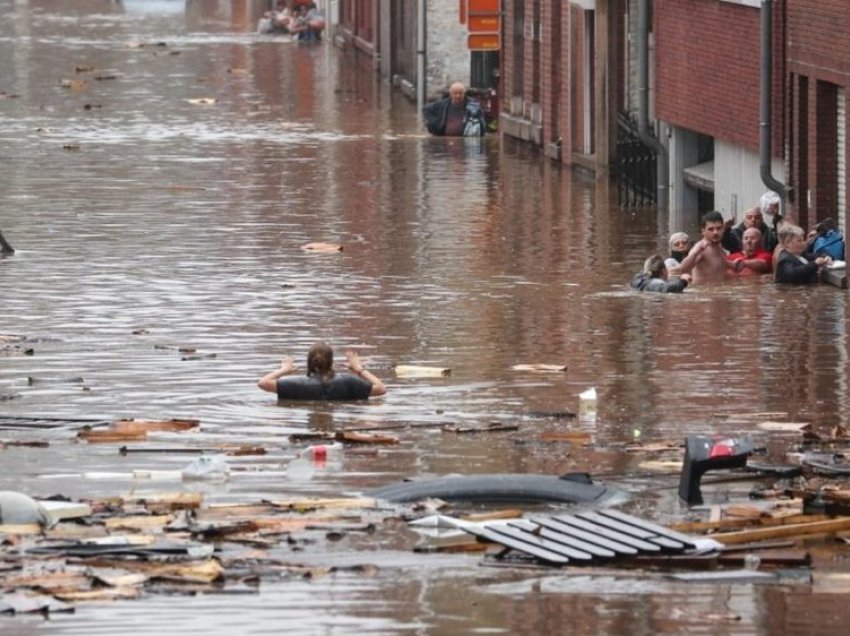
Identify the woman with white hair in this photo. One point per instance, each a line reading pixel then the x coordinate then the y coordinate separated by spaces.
pixel 791 266
pixel 680 244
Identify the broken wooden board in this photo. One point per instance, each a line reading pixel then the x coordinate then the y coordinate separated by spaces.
pixel 492 427
pixel 753 418
pixel 414 371
pixel 784 427
pixel 193 572
pixel 302 505
pixel 573 437
pixel 735 524
pixel 111 436
pixel 353 437
pixel 20 529
pixel 177 425
pixel 540 368
pixel 166 502
pixel 102 594
pixel 139 522
pixel 661 466
pixel 322 247
pixel 796 530
pixel 49 582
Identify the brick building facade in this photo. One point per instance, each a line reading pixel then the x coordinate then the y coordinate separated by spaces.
pixel 562 76
pixel 818 79
pixel 386 32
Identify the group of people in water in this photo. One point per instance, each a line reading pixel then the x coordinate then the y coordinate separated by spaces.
pixel 749 248
pixel 724 249
pixel 301 18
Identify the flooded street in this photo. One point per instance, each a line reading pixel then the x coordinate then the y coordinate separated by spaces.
pixel 161 167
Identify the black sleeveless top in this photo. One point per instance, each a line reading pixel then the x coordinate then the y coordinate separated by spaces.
pixel 341 387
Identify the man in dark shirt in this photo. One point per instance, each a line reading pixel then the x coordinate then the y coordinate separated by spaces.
pixel 456 115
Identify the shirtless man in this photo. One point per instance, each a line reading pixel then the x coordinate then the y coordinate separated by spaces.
pixel 706 261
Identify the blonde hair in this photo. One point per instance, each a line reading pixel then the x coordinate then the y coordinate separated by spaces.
pixel 789 231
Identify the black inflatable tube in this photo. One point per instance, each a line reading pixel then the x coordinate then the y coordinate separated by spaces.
pixel 501 487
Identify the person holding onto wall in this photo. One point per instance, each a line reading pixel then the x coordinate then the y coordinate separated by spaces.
pixel 826 240
pixel 792 266
pixel 321 381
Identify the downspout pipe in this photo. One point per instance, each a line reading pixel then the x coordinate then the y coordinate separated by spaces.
pixel 421 55
pixel 644 133
pixel 765 103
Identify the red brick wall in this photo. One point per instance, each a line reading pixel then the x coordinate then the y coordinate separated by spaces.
pixel 819 39
pixel 707 69
pixel 576 78
pixel 528 62
pixel 818 33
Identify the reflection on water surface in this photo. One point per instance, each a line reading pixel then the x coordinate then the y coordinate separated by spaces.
pixel 144 218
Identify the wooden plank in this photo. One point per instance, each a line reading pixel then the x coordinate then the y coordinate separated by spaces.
pixel 20 528
pixel 316 504
pixel 620 548
pixel 793 530
pixel 634 531
pixel 650 526
pixel 733 524
pixel 608 533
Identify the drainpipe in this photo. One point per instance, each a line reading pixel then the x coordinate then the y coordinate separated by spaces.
pixel 647 137
pixel 765 103
pixel 421 50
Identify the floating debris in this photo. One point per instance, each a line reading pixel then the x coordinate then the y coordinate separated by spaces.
pixel 202 101
pixel 322 247
pixel 414 371
pixel 540 368
pixel 74 84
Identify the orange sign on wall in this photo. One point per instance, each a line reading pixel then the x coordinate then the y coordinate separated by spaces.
pixel 483 42
pixel 484 23
pixel 484 18
pixel 484 6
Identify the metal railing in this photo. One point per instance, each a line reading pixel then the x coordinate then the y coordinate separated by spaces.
pixel 634 166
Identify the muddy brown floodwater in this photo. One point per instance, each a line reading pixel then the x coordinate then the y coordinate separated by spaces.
pixel 163 197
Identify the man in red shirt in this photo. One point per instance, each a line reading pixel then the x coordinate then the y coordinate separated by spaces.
pixel 753 258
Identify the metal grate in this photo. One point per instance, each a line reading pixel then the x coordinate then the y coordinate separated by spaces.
pixel 585 537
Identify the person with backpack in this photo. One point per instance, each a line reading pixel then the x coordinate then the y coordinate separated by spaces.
pixel 457 115
pixel 826 240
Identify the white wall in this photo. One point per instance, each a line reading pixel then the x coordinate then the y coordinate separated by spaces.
pixel 737 180
pixel 448 57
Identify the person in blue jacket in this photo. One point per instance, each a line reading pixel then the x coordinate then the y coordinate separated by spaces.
pixel 457 115
pixel 321 381
pixel 826 240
